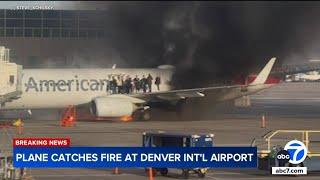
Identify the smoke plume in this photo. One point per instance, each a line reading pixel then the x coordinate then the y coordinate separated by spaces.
pixel 208 42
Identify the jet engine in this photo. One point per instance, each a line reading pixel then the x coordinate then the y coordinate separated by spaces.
pixel 112 107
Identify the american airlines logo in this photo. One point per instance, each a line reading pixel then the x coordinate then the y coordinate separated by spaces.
pixel 67 85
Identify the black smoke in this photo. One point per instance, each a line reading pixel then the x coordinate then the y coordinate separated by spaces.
pixel 212 42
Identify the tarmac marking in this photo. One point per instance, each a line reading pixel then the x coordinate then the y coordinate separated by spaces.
pixel 78 175
pixel 266 177
pixel 245 145
pixel 283 98
pixel 211 177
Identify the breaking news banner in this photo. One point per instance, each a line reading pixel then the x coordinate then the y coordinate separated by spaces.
pixel 41 142
pixel 108 157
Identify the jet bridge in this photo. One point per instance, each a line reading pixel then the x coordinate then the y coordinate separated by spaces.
pixel 10 78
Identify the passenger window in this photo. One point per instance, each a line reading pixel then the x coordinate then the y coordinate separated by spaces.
pixel 11 79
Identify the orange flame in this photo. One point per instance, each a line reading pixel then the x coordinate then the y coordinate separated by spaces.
pixel 126 118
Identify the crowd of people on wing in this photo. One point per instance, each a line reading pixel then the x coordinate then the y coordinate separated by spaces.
pixel 124 84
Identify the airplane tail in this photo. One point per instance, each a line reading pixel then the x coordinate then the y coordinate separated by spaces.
pixel 264 73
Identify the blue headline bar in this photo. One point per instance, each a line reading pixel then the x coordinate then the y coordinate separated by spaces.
pixel 108 157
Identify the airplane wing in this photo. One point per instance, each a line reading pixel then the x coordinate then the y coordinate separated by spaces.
pixel 181 94
pixel 201 92
pixel 118 105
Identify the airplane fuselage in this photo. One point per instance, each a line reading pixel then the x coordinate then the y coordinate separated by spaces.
pixel 58 88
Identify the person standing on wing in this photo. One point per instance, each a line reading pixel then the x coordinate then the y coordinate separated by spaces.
pixel 144 83
pixel 149 81
pixel 136 84
pixel 158 82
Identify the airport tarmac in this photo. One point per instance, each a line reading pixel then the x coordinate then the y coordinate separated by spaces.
pixel 287 106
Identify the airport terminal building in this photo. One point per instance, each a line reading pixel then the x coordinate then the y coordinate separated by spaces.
pixel 69 38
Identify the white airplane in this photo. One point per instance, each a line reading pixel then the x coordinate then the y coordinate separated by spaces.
pixel 309 77
pixel 60 88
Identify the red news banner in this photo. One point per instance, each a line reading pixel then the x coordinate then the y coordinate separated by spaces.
pixel 41 142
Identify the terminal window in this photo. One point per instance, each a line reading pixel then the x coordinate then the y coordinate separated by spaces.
pixel 53 24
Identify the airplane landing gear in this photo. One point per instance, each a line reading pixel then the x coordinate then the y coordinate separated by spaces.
pixel 142 114
pixel 184 110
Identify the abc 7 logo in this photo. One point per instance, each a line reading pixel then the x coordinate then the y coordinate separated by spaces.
pixel 283 157
pixel 295 152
